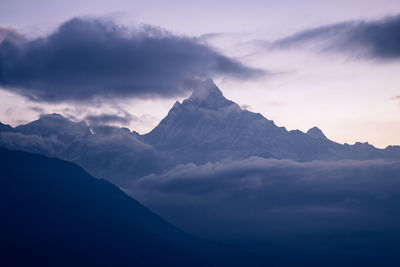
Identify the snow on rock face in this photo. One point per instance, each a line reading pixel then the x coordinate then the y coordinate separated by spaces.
pixel 55 124
pixel 208 127
pixel 102 150
pixel 208 96
pixel 206 90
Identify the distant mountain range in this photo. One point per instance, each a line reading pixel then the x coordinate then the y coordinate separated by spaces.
pixel 53 213
pixel 206 127
pixel 102 150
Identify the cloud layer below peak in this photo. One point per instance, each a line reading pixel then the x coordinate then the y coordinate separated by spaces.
pixel 321 213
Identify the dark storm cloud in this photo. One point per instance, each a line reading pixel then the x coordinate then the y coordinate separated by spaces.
pixel 378 39
pixel 88 58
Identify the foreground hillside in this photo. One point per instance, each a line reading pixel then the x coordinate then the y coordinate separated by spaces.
pixel 56 214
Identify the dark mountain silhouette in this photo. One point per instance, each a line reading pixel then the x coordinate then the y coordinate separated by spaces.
pixel 315 132
pixel 5 127
pixel 56 214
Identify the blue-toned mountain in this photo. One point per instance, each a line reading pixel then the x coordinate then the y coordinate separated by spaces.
pixel 207 127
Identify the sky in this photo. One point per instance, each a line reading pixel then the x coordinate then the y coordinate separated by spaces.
pixel 331 64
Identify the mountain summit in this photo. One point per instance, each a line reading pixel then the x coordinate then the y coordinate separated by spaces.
pixel 205 91
pixel 208 127
pixel 207 95
pixel 315 132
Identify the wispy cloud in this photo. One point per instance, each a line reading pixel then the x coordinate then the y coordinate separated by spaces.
pixel 397 99
pixel 377 39
pixel 105 118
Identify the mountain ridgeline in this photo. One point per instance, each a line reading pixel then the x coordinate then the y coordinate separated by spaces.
pixel 206 127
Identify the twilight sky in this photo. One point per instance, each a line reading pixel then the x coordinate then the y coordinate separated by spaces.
pixel 331 64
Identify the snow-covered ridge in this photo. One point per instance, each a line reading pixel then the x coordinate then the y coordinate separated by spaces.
pixel 206 127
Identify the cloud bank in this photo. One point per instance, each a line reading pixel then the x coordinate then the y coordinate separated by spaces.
pixel 88 58
pixel 322 213
pixel 258 174
pixel 378 39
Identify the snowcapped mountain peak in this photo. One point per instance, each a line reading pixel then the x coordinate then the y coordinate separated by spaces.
pixel 52 116
pixel 54 124
pixel 206 90
pixel 208 96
